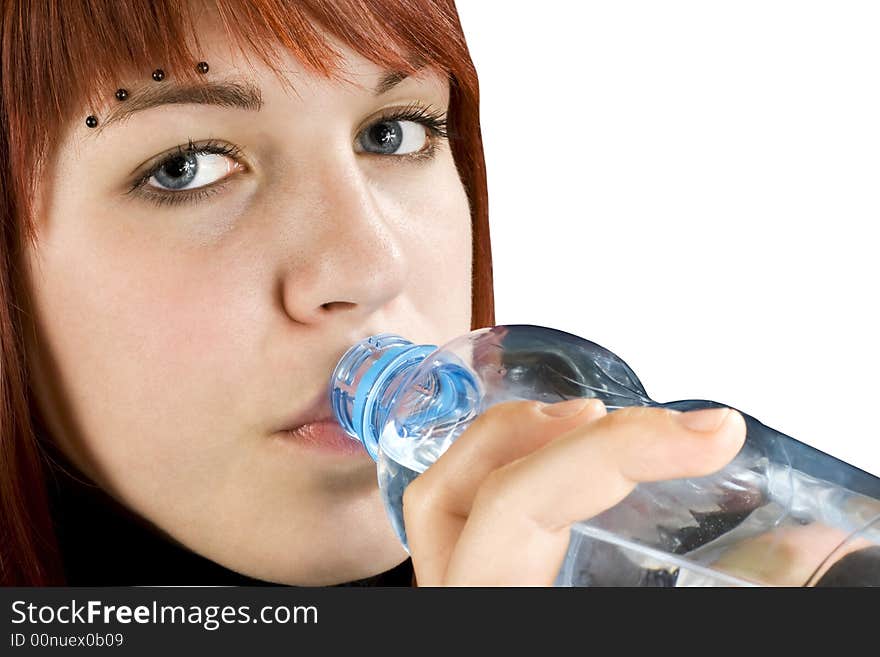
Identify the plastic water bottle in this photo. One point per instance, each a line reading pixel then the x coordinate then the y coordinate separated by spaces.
pixel 778 500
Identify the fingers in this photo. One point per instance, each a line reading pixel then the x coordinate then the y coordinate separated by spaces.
pixel 503 433
pixel 511 520
pixel 437 504
pixel 518 529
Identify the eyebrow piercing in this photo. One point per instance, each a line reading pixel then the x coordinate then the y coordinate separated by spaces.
pixel 122 94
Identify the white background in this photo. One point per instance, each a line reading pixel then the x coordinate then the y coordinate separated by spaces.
pixel 694 186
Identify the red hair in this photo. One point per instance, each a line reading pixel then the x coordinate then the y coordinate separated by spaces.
pixel 59 56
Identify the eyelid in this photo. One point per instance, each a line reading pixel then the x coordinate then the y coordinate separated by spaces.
pixel 154 160
pixel 170 199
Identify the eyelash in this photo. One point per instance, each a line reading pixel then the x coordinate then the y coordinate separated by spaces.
pixel 433 120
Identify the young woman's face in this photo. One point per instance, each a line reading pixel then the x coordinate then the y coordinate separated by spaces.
pixel 187 309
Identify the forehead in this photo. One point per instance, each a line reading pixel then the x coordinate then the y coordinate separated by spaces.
pixel 232 56
pixel 231 60
pixel 353 70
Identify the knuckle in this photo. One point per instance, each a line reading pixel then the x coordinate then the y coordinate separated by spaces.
pixel 416 496
pixel 630 415
pixel 495 490
pixel 418 512
pixel 509 414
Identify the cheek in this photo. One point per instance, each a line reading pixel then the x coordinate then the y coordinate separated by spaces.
pixel 433 212
pixel 150 347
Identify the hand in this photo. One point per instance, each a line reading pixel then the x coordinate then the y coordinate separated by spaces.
pixel 496 508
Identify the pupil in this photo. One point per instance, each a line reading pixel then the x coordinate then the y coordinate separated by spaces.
pixel 178 172
pixel 387 136
pixel 386 133
pixel 177 167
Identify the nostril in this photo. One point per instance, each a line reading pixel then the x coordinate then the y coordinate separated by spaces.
pixel 334 304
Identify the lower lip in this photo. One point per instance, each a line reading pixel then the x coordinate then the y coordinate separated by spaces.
pixel 325 436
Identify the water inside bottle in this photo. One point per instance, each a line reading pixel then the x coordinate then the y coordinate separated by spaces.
pixel 393 480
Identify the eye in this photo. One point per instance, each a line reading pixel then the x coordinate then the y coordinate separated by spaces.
pixel 188 173
pixel 410 131
pixel 191 169
pixel 394 138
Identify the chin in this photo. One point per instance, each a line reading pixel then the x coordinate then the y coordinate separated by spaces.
pixel 350 538
pixel 328 572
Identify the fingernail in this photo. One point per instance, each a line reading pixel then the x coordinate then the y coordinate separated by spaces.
pixel 565 408
pixel 705 419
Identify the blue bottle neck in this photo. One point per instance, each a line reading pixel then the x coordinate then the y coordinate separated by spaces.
pixel 365 383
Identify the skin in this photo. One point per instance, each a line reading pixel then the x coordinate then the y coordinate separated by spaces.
pixel 170 343
pixel 790 556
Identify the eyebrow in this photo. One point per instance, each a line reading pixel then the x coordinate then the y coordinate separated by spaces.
pixel 240 95
pixel 235 94
pixel 393 78
pixel 389 81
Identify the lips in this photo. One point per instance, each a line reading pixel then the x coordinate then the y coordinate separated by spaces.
pixel 326 436
pixel 317 428
pixel 318 411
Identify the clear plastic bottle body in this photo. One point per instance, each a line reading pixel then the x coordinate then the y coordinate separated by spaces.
pixel 714 530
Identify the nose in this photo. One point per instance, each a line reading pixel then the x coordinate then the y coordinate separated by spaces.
pixel 350 262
